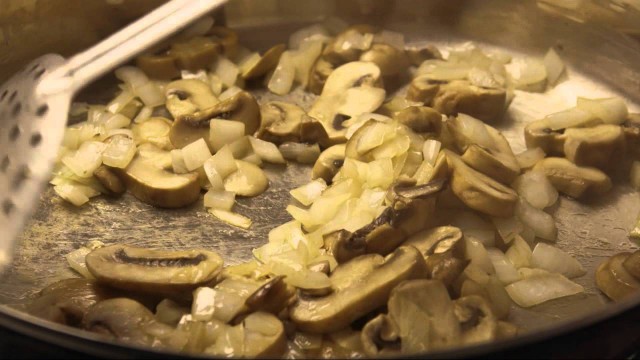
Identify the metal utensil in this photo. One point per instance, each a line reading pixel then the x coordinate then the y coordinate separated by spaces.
pixel 34 104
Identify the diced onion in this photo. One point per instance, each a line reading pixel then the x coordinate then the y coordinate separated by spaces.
pixel 198 75
pixel 224 132
pixel 505 271
pixel 315 32
pixel 86 159
pixel 267 151
pixel 474 226
pixel 508 228
pixel 195 154
pixel 530 75
pixel 227 71
pixel 307 194
pixel 76 258
pixel 555 260
pixel 199 28
pixel 570 118
pixel 475 131
pixel 229 93
pixel 282 78
pixel 222 200
pixel 150 94
pixel 304 59
pixel 477 253
pixel 431 150
pixel 554 65
pixel 116 121
pixel 144 115
pixel 539 289
pixel 610 111
pixel 536 189
pixel 519 253
pixel 119 152
pixel 170 312
pixel 541 223
pixel 529 158
pixel 132 76
pixel 77 195
pixel 232 218
pixel 222 162
pixel 216 84
pixel 177 162
pixel 203 306
pixel 119 102
pixel 302 153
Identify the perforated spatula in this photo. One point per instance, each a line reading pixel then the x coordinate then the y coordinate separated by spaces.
pixel 34 104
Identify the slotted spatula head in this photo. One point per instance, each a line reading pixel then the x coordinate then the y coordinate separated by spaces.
pixel 31 130
pixel 35 102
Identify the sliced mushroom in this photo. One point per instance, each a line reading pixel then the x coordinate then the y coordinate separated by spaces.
pixel 319 74
pixel 160 66
pixel 595 147
pixel 391 61
pixel 632 264
pixel 341 49
pixel 185 97
pixel 264 336
pixel 343 246
pixel 67 301
pixel 227 38
pixel 273 297
pixel 614 280
pixel 329 163
pixel 349 91
pixel 267 62
pixel 111 182
pixel 126 320
pixel 573 180
pixel 424 90
pixel 365 293
pixel 241 107
pixel 477 320
pixel 380 337
pixel 159 187
pixel 281 122
pixel 249 180
pixel 420 119
pixel 486 104
pixel 195 53
pixel 497 165
pixel 132 108
pixel 417 55
pixel 424 314
pixel 154 271
pixel 479 191
pixel 538 134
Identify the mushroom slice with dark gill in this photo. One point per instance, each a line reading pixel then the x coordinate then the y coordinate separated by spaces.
pixel 110 181
pixel 369 283
pixel 191 127
pixel 283 122
pixel 159 187
pixel 153 271
pixel 477 321
pixel 421 119
pixel 185 97
pixel 268 61
pixel 329 163
pixel 273 296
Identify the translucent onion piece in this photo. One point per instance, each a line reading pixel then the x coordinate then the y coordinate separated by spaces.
pixel 119 102
pixel 116 121
pixel 570 118
pixel 482 78
pixel 222 200
pixel 307 194
pixel 475 226
pixel 519 253
pixel 610 111
pixel 475 130
pixel 541 223
pixel 132 76
pixel 431 150
pixel 86 159
pixel 76 260
pixel 530 74
pixel 356 40
pixel 216 84
pixel 374 136
pixel 229 93
pixel 304 59
pixel 76 194
pixel 310 33
pixel 529 158
pixel 302 153
pixel 555 260
pixel 283 76
pixel 150 94
pixel 232 218
pixel 227 71
pixel 222 162
pixel 508 228
pixel 202 307
pixel 198 75
pixel 144 115
pixel 392 38
pixel 477 253
pixel 267 151
pixel 554 65
pixel 195 154
pixel 177 162
pixel 505 271
pixel 225 132
pixel 534 187
pixel 119 151
pixel 539 289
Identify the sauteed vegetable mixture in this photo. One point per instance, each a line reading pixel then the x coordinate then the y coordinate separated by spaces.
pixel 418 230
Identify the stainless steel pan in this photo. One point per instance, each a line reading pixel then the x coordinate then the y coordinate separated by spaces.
pixel 602 61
